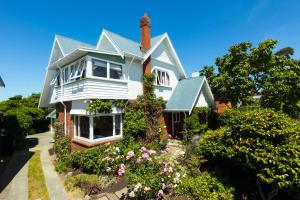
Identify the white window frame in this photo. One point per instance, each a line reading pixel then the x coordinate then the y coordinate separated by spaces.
pixel 80 66
pixel 54 80
pixel 91 128
pixel 108 62
pixel 163 79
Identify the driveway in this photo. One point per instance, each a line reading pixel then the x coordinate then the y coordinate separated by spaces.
pixel 14 181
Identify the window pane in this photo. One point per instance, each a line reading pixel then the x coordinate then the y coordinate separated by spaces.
pixel 84 126
pixel 103 126
pixel 99 68
pixel 118 124
pixel 115 71
pixel 73 70
pixel 66 75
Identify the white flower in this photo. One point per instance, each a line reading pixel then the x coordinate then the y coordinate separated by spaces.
pixel 131 194
pixel 146 189
pixel 108 169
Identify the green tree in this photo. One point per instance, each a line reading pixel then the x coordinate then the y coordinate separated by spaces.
pixel 233 81
pixel 286 52
pixel 247 71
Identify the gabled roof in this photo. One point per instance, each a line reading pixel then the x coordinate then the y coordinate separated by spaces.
pixel 51 115
pixel 186 94
pixel 126 45
pixel 68 45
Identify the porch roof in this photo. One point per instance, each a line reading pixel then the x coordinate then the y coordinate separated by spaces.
pixel 51 115
pixel 185 94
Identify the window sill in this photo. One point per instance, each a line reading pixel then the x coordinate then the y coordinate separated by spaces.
pixel 88 143
pixel 164 86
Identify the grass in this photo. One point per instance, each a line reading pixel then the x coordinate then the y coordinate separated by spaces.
pixel 36 181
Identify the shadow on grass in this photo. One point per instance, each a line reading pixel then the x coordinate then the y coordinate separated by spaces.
pixel 16 162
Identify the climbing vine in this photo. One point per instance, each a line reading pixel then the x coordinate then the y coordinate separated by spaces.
pixel 99 106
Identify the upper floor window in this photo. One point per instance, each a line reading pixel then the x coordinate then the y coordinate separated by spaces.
pixel 107 69
pixel 161 77
pixel 70 73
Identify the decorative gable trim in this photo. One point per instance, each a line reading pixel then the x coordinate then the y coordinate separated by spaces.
pixel 204 94
pixel 115 46
pixel 55 42
pixel 172 51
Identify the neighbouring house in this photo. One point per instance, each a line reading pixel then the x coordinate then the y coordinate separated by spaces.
pixel 113 69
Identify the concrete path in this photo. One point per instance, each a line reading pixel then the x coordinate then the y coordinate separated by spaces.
pixel 56 189
pixel 15 179
pixel 16 176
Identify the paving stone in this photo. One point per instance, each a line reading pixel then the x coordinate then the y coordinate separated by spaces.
pixel 121 192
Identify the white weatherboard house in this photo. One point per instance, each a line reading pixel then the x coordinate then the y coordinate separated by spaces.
pixel 113 69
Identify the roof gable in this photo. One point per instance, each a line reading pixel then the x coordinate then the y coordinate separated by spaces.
pixel 105 44
pixel 187 93
pixel 163 54
pixel 56 52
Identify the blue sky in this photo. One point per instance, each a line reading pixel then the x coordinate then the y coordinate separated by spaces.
pixel 199 30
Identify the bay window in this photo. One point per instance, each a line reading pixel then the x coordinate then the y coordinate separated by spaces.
pixel 97 128
pixel 99 68
pixel 106 69
pixel 161 77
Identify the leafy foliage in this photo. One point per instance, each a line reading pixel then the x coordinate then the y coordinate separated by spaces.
pixel 247 71
pixel 286 52
pixel 152 106
pixel 262 141
pixel 134 121
pixel 99 106
pixel 21 116
pixel 204 187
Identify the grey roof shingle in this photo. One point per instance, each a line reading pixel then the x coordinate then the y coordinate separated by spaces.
pixel 68 45
pixel 126 45
pixel 185 94
pixel 129 46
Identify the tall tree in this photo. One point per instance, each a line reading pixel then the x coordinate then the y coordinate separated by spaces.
pixel 285 52
pixel 246 71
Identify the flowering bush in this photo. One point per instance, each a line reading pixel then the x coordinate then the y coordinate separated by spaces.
pixel 149 177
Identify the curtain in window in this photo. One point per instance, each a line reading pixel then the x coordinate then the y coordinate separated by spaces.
pixel 115 71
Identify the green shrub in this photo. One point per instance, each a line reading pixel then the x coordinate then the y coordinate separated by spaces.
pixel 89 182
pixel 62 148
pixel 134 122
pixel 204 187
pixel 18 125
pixel 262 141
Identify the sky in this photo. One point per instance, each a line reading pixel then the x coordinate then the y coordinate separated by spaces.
pixel 200 30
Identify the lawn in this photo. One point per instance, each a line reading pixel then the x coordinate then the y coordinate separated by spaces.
pixel 36 180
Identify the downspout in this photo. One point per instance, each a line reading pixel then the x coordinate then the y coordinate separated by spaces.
pixel 62 102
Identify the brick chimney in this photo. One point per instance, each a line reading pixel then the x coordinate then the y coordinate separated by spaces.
pixel 146 40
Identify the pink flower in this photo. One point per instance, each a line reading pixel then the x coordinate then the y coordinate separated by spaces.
pixel 145 156
pixel 121 170
pixel 130 154
pixel 143 149
pixel 139 160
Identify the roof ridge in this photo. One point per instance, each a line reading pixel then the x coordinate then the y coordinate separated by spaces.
pixel 120 36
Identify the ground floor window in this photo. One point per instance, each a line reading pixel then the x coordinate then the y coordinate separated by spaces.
pixel 97 127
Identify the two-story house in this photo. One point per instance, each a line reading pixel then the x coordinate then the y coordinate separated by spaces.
pixel 113 69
